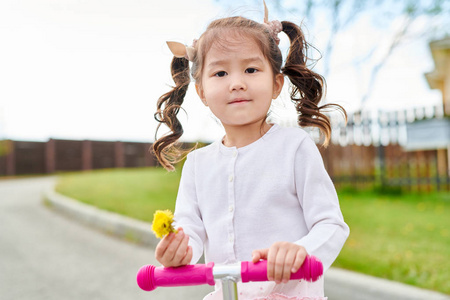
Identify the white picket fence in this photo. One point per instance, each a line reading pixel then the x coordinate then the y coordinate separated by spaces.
pixel 382 127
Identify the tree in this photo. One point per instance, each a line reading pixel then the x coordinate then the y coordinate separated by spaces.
pixel 400 20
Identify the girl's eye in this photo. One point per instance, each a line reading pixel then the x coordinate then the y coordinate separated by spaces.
pixel 251 70
pixel 220 74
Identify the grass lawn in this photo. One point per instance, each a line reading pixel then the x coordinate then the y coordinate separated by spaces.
pixel 402 237
pixel 133 192
pixel 399 237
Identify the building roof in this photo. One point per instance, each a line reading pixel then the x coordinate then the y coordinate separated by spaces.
pixel 440 50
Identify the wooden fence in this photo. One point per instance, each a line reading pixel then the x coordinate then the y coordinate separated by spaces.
pixel 25 157
pixel 350 165
pixel 388 166
pixel 369 150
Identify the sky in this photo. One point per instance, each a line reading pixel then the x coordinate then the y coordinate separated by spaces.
pixel 79 69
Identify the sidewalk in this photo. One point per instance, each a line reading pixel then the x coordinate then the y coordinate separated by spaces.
pixel 339 284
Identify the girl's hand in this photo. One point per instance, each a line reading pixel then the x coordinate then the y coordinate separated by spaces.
pixel 283 258
pixel 173 250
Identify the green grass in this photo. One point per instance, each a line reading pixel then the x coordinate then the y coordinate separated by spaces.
pixel 398 236
pixel 135 193
pixel 403 237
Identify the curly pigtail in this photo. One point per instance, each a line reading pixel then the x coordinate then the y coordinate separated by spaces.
pixel 168 107
pixel 307 86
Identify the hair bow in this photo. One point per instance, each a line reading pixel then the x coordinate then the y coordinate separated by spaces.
pixel 181 50
pixel 275 26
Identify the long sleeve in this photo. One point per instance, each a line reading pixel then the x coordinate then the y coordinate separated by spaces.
pixel 187 212
pixel 232 201
pixel 318 199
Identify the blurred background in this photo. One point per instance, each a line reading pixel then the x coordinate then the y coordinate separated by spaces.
pixel 80 80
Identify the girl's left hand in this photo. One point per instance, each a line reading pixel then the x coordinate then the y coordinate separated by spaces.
pixel 283 258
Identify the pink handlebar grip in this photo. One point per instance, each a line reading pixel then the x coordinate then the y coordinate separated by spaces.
pixel 311 270
pixel 150 277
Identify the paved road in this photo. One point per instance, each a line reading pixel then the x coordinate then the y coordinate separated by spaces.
pixel 45 256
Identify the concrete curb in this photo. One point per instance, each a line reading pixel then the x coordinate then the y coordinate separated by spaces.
pixel 339 283
pixel 108 222
pixel 344 284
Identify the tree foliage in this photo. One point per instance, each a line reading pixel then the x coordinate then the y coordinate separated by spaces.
pixel 400 21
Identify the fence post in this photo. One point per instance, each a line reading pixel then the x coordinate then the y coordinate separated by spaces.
pixel 10 158
pixel 381 165
pixel 326 159
pixel 437 170
pixel 50 156
pixel 150 159
pixel 419 156
pixel 447 172
pixel 119 155
pixel 86 155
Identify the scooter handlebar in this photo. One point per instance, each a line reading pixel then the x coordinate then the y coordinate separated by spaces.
pixel 150 277
pixel 310 270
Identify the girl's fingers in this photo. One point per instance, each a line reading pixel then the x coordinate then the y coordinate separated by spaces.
pixel 166 241
pixel 257 255
pixel 279 266
pixel 188 257
pixel 271 259
pixel 289 260
pixel 284 258
pixel 172 248
pixel 181 250
pixel 299 259
pixel 162 246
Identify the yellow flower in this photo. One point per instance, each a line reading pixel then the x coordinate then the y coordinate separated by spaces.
pixel 162 223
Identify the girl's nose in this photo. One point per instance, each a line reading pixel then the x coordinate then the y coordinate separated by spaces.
pixel 237 83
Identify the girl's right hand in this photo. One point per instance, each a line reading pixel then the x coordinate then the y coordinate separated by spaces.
pixel 173 250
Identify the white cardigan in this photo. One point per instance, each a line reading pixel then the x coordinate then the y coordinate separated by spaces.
pixel 232 201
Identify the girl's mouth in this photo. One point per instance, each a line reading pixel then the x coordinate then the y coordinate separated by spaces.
pixel 239 100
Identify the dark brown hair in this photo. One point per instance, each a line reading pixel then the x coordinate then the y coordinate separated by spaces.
pixel 307 87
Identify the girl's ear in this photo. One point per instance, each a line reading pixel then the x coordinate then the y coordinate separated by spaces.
pixel 201 93
pixel 278 85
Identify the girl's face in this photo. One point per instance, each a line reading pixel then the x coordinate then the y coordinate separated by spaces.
pixel 238 83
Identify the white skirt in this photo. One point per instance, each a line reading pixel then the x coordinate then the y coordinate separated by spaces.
pixel 293 290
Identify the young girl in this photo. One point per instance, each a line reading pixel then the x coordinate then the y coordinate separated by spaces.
pixel 261 192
